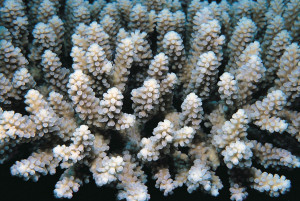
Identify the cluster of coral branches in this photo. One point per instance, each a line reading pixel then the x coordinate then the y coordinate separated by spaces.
pixel 104 90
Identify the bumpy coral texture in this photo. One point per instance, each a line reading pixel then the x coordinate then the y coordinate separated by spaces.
pixel 126 91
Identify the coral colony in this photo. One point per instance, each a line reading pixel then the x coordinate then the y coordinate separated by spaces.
pixel 104 90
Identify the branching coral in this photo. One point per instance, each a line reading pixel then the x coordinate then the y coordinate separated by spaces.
pixel 109 90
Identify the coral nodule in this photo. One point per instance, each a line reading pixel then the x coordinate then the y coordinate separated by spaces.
pixel 111 90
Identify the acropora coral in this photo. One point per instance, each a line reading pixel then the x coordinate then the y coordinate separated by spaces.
pixel 105 90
